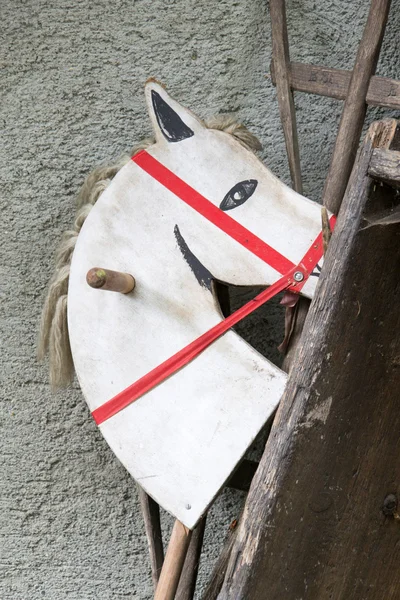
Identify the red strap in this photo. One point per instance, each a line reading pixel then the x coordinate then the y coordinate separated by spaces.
pixel 212 213
pixel 186 355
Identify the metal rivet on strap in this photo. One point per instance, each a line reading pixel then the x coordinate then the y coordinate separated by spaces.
pixel 298 276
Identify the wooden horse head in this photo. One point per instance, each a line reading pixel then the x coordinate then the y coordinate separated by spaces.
pixel 177 408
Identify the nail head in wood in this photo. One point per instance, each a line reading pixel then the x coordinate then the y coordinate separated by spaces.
pixel 112 281
pixel 389 507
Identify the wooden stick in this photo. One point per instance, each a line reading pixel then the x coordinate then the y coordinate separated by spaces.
pixel 151 517
pixel 187 582
pixel 326 228
pixel 280 51
pixel 354 109
pixel 112 281
pixel 334 83
pixel 173 563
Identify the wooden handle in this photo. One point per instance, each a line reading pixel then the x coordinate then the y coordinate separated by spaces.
pixel 112 281
pixel 173 563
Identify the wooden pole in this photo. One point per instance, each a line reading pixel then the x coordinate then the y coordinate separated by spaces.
pixel 151 517
pixel 187 582
pixel 352 120
pixel 280 52
pixel 173 563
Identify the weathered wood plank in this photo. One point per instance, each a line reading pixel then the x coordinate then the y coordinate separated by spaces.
pixel 334 83
pixel 354 109
pixel 280 52
pixel 313 525
pixel 385 166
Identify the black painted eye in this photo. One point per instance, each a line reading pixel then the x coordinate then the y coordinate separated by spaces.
pixel 239 194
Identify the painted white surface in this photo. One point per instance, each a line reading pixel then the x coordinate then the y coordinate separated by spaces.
pixel 181 440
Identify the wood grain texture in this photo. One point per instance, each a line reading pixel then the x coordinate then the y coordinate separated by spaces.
pixel 151 517
pixel 385 166
pixel 173 563
pixel 334 83
pixel 355 106
pixel 280 53
pixel 313 525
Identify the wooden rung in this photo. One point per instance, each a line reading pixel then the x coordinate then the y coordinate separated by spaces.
pixel 334 83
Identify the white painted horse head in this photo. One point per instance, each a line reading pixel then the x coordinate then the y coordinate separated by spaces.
pixel 195 207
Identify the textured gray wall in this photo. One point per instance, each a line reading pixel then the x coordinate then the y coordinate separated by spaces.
pixel 72 96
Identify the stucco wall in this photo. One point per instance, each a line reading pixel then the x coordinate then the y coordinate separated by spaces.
pixel 72 96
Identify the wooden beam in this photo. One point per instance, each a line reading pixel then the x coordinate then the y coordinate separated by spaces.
pixel 315 523
pixel 334 83
pixel 385 166
pixel 280 52
pixel 353 114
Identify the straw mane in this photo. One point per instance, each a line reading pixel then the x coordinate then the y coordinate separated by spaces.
pixel 53 334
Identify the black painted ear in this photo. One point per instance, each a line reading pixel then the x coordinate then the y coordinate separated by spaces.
pixel 171 125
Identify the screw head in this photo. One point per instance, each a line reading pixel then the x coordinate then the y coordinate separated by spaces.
pixel 298 276
pixel 389 505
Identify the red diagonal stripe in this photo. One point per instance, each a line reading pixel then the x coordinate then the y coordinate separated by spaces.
pixel 212 213
pixel 232 228
pixel 184 356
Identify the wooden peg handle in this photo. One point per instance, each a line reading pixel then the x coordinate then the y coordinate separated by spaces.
pixel 113 281
pixel 173 563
